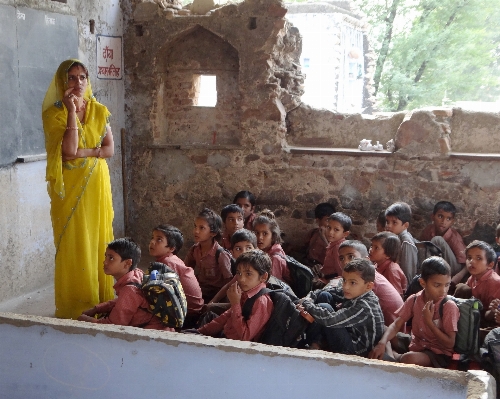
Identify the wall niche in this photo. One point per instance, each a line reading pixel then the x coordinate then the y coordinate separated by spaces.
pixel 179 118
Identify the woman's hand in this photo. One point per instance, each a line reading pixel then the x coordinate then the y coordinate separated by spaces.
pixel 70 100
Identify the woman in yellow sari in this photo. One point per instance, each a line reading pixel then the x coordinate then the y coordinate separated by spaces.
pixel 78 138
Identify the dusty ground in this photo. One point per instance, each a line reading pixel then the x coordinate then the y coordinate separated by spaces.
pixel 38 303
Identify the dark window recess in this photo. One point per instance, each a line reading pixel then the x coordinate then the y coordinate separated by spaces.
pixel 252 23
pixel 61 1
pixel 92 26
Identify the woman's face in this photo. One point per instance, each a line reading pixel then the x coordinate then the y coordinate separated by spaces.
pixel 77 80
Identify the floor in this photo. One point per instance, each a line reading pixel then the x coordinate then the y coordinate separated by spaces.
pixel 38 303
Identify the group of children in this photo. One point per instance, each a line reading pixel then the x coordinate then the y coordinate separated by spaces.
pixel 358 305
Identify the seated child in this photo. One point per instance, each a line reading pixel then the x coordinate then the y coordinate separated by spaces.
pixel 268 240
pixel 447 239
pixel 316 241
pixel 497 250
pixel 432 336
pixel 357 326
pixel 212 274
pixel 232 218
pixel 253 270
pixel 130 307
pixel 384 253
pixel 166 242
pixel 398 216
pixel 337 230
pixel 389 299
pixel 242 241
pixel 483 283
pixel 246 201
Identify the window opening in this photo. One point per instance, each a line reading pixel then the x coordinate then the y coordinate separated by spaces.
pixel 205 91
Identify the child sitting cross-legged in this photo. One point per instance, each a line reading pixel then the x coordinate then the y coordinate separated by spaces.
pixel 166 242
pixel 232 218
pixel 357 324
pixel 130 307
pixel 253 270
pixel 432 336
pixel 384 253
pixel 211 270
pixel 339 225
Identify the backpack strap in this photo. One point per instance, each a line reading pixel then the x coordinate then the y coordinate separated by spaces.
pixel 137 285
pixel 441 306
pixel 246 310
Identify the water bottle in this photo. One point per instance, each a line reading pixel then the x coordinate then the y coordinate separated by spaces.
pixel 153 275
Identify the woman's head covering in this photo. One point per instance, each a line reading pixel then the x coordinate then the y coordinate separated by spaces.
pixel 59 84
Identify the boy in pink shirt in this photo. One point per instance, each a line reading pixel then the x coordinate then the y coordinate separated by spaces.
pixel 432 336
pixel 130 308
pixel 253 271
pixel 338 228
pixel 447 239
pixel 232 218
pixel 384 252
pixel 316 241
pixel 166 242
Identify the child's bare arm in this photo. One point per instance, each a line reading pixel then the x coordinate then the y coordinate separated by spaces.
pixel 447 339
pixel 378 350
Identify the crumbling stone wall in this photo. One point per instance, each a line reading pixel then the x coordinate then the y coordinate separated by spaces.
pixel 272 147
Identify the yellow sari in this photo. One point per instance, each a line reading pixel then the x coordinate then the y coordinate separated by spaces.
pixel 81 203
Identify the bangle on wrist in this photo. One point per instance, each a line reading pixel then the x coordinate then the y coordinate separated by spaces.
pixel 98 152
pixel 71 128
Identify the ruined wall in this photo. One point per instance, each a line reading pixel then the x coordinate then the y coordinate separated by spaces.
pixel 27 246
pixel 291 157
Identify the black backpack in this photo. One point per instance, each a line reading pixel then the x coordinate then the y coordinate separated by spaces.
pixel 301 276
pixel 286 326
pixel 165 295
pixel 233 261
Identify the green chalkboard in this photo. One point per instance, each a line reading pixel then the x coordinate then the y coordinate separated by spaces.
pixel 32 45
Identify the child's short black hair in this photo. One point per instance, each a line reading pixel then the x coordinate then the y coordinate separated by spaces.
pixel 243 235
pixel 445 206
pixel 127 249
pixel 400 210
pixel 267 217
pixel 344 220
pixel 231 208
pixel 257 259
pixel 245 194
pixel 174 236
pixel 489 252
pixel 362 266
pixel 357 245
pixel 390 243
pixel 323 209
pixel 214 221
pixel 381 218
pixel 434 265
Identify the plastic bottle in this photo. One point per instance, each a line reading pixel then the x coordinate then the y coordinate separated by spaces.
pixel 153 275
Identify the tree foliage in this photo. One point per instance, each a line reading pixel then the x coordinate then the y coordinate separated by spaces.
pixel 426 48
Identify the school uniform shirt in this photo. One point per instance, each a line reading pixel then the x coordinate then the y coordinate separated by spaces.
pixel 188 281
pixel 316 246
pixel 225 241
pixel 235 326
pixel 248 224
pixel 408 256
pixel 421 336
pixel 361 317
pixel 486 288
pixel 331 264
pixel 279 268
pixel 208 272
pixel 393 273
pixel 452 238
pixel 130 308
pixel 390 300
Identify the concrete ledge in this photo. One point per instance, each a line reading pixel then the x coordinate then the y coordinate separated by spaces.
pixel 63 358
pixel 337 151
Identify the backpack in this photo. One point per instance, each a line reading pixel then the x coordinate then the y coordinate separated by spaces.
pixel 425 249
pixel 165 295
pixel 413 287
pixel 286 326
pixel 301 276
pixel 233 261
pixel 467 338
